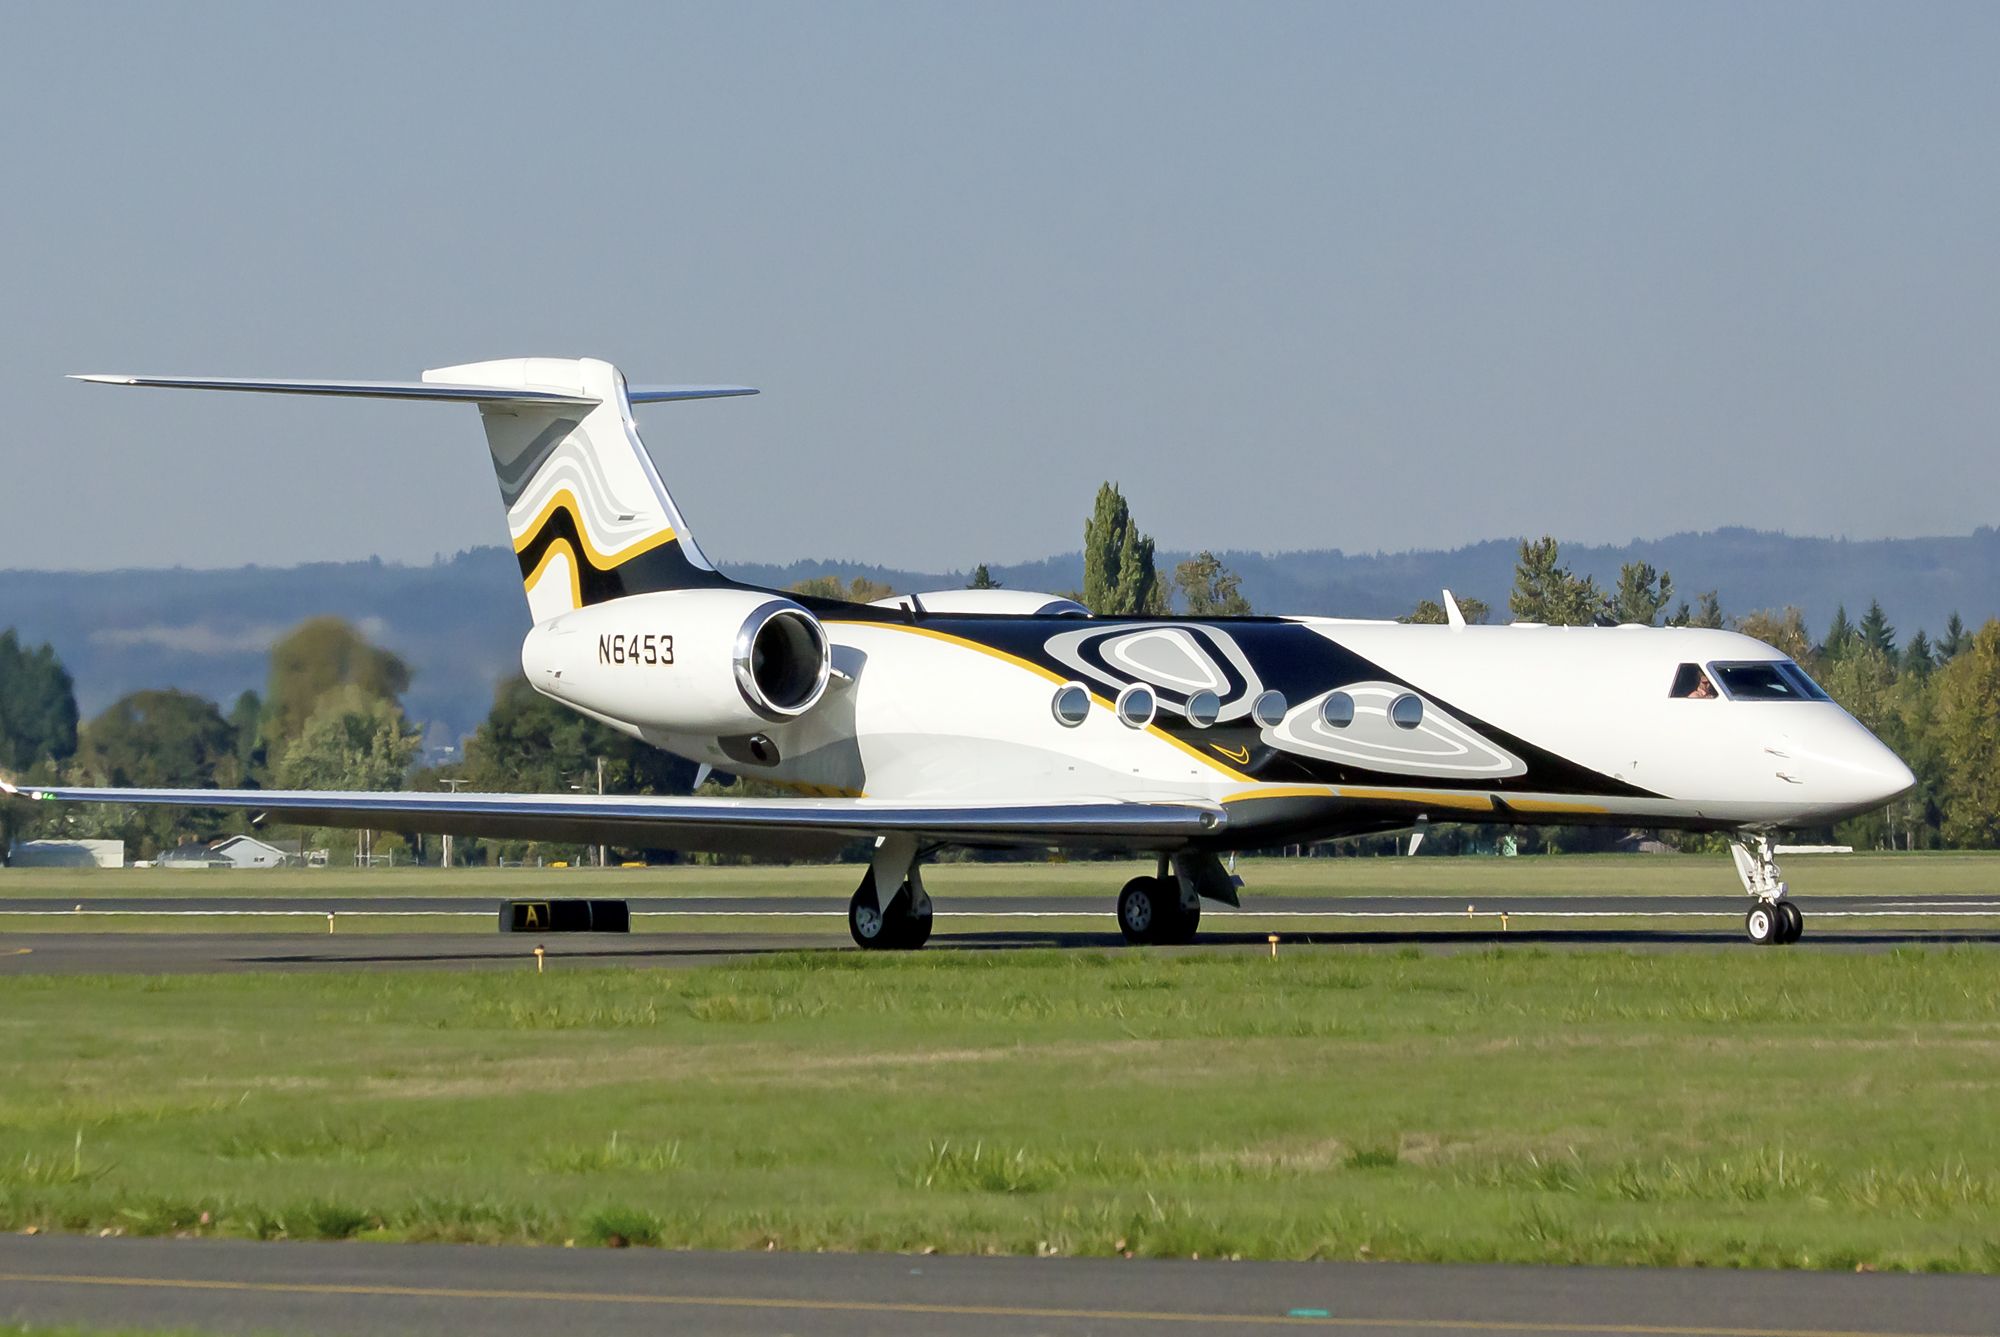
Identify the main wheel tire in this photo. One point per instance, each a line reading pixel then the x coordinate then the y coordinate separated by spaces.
pixel 871 929
pixel 1764 923
pixel 1186 919
pixel 1795 922
pixel 896 929
pixel 1144 915
pixel 915 925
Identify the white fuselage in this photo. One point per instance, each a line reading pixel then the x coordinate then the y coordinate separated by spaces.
pixel 941 708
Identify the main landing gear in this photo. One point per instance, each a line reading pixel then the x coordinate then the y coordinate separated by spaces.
pixel 1773 920
pixel 900 921
pixel 1157 910
pixel 1164 909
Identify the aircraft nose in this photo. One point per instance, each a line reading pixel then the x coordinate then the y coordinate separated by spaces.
pixel 1861 773
pixel 1890 775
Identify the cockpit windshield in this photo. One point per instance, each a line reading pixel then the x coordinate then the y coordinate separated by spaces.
pixel 1767 680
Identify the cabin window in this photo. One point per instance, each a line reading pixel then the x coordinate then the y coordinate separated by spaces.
pixel 1071 704
pixel 1407 711
pixel 1691 684
pixel 1766 680
pixel 1337 710
pixel 1135 707
pixel 1203 708
pixel 1269 709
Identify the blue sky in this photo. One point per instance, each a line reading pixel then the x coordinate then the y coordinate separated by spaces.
pixel 1378 276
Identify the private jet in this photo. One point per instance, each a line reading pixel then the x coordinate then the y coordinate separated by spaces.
pixel 999 718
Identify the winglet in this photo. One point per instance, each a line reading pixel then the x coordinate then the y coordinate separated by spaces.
pixel 1452 615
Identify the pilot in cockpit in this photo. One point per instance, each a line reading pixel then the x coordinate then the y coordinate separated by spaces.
pixel 1691 684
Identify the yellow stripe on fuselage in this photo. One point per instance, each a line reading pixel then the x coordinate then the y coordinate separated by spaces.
pixel 1425 798
pixel 1551 805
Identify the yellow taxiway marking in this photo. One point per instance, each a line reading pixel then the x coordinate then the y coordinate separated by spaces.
pixel 914 1307
pixel 21 951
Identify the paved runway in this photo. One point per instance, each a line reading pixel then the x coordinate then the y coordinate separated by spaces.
pixel 341 1289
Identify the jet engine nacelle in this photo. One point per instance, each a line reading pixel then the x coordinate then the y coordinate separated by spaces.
pixel 703 662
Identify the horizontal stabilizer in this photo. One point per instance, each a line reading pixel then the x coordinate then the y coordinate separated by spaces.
pixel 469 394
pixel 430 390
pixel 661 394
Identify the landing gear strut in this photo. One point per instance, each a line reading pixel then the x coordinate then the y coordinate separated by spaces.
pixel 899 921
pixel 1773 919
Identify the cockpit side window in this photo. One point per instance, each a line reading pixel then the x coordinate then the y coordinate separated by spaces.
pixel 1767 680
pixel 1691 684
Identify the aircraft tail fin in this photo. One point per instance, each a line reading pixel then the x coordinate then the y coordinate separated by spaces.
pixel 589 518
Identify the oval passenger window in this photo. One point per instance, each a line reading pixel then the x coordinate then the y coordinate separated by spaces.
pixel 1269 709
pixel 1203 708
pixel 1407 711
pixel 1135 707
pixel 1337 710
pixel 1072 704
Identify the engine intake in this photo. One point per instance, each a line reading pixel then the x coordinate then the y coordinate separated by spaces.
pixel 781 660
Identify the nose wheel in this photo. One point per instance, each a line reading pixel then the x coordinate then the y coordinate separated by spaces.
pixel 1774 923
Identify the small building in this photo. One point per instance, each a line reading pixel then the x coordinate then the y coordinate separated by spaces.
pixel 67 854
pixel 231 852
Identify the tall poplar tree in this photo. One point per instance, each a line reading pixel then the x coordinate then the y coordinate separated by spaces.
pixel 1119 579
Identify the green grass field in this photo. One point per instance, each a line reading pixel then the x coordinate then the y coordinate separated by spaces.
pixel 1727 1108
pixel 1474 877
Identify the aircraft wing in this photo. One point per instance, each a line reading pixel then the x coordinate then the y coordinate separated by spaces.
pixel 798 826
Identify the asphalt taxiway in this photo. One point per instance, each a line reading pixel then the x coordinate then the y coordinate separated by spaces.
pixel 357 1289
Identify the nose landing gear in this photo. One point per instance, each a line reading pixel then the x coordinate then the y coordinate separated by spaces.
pixel 1773 919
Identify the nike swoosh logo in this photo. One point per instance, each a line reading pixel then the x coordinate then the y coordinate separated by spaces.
pixel 1239 755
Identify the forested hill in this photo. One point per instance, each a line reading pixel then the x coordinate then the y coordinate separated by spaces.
pixel 460 622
